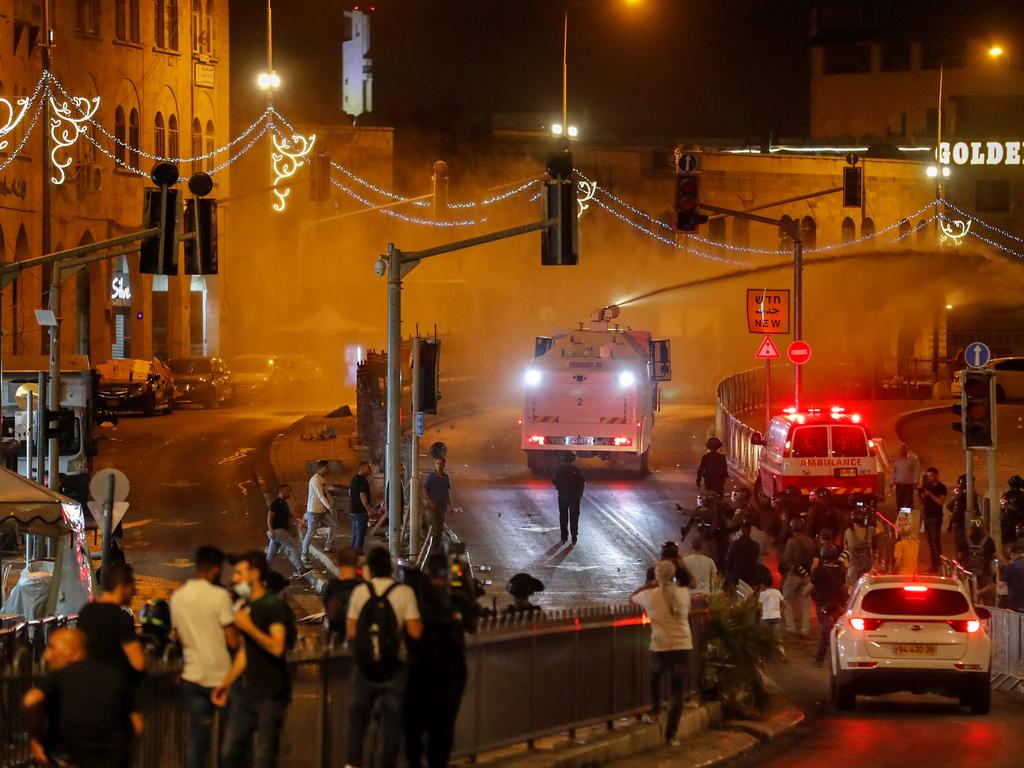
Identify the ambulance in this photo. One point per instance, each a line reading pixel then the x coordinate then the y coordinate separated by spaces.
pixel 817 448
pixel 594 391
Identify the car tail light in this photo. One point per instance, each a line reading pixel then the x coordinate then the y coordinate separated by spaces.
pixel 536 439
pixel 855 418
pixel 970 626
pixel 865 625
pixel 915 588
pixel 622 440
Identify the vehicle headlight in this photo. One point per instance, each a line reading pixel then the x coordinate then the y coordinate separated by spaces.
pixel 627 379
pixel 533 377
pixel 136 389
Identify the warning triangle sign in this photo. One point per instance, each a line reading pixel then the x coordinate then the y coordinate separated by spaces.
pixel 768 350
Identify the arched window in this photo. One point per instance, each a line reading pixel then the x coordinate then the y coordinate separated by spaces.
pixel 159 24
pixel 922 234
pixel 120 135
pixel 904 228
pixel 172 24
pixel 197 26
pixel 172 138
pixel 197 145
pixel 808 232
pixel 133 138
pixel 867 228
pixel 209 145
pixel 159 136
pixel 209 27
pixel 785 238
pixel 849 233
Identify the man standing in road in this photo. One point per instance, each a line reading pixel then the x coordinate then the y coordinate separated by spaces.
pixel 796 561
pixel 933 497
pixel 437 493
pixel 109 629
pixel 906 469
pixel 259 701
pixel 204 623
pixel 359 504
pixel 279 531
pixel 1013 575
pixel 569 482
pixel 319 509
pixel 713 470
pixel 701 567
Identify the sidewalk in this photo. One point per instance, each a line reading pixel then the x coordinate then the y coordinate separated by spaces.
pixel 707 740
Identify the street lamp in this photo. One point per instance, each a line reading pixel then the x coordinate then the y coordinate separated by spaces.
pixel 269 81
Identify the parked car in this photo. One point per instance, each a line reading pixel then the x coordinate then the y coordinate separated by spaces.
pixel 1009 378
pixel 254 374
pixel 919 634
pixel 295 369
pixel 135 385
pixel 203 381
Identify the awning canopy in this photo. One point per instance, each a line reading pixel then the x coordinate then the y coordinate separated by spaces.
pixel 36 507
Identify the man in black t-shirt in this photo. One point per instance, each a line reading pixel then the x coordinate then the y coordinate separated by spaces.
pixel 280 524
pixel 359 504
pixel 109 628
pixel 82 712
pixel 933 496
pixel 337 593
pixel 263 689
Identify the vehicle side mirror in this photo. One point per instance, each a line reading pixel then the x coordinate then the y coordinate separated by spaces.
pixel 757 439
pixel 983 613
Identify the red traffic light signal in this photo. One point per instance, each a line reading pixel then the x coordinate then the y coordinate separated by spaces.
pixel 978 409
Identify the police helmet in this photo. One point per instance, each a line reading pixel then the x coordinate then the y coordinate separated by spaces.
pixel 714 444
pixel 156 616
pixel 829 552
pixel 1012 498
pixel 1016 482
pixel 961 481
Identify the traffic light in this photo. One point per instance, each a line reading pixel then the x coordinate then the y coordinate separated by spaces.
pixel 977 409
pixel 320 178
pixel 688 217
pixel 201 251
pixel 61 424
pixel 559 245
pixel 159 255
pixel 439 187
pixel 430 367
pixel 853 187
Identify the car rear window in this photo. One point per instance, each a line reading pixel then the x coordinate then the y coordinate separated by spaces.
pixel 183 366
pixel 810 441
pixel 897 601
pixel 849 441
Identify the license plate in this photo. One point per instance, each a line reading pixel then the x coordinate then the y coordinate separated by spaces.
pixel 581 441
pixel 916 649
pixel 846 472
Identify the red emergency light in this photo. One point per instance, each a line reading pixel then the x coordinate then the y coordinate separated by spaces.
pixel 622 440
pixel 536 439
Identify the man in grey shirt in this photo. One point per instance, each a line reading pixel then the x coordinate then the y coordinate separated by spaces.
pixel 906 474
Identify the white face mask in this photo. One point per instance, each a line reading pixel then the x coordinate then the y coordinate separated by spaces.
pixel 243 590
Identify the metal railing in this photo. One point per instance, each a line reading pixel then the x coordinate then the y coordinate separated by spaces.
pixel 529 677
pixel 1006 628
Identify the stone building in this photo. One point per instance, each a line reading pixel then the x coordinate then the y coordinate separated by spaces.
pixel 160 70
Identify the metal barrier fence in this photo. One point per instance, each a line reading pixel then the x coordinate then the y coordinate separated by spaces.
pixel 1006 628
pixel 528 677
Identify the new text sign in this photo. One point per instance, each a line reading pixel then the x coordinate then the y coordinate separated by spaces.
pixel 768 310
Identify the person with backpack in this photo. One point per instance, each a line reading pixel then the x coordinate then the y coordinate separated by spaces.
pixel 337 593
pixel 858 541
pixel 795 565
pixel 978 553
pixel 569 482
pixel 829 591
pixel 380 613
pixel 264 689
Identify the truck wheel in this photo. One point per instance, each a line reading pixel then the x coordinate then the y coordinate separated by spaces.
pixel 645 464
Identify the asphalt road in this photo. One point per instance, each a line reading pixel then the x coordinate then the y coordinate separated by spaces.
pixel 886 731
pixel 510 518
pixel 193 482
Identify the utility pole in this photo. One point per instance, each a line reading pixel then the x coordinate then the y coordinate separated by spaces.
pixel 798 325
pixel 394 426
pixel 53 395
pixel 414 453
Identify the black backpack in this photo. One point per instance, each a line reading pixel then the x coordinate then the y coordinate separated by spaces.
pixel 377 643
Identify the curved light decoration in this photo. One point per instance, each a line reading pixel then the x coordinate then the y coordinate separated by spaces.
pixel 585 193
pixel 65 128
pixel 13 115
pixel 954 231
pixel 288 156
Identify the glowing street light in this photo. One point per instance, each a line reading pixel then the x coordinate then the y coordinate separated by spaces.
pixel 995 51
pixel 557 129
pixel 269 81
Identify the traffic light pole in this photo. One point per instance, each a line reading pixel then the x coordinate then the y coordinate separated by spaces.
pixel 398 264
pixel 414 452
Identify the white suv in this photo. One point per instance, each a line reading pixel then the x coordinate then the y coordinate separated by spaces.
pixel 918 634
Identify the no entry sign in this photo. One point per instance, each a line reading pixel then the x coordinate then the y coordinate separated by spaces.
pixel 799 352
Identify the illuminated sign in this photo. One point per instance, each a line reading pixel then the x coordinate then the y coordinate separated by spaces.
pixel 120 290
pixel 980 153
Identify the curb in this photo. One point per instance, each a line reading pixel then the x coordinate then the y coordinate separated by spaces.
pixel 707 740
pixel 931 410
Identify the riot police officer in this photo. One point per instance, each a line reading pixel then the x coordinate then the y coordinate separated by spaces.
pixel 713 470
pixel 1011 510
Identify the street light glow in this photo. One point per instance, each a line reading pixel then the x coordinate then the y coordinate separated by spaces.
pixel 932 171
pixel 573 131
pixel 995 51
pixel 556 129
pixel 269 81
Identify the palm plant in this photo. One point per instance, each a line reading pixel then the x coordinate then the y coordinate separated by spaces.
pixel 737 649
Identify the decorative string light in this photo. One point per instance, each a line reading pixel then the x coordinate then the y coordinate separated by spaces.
pixel 997 245
pixel 287 157
pixel 981 222
pixel 65 129
pixel 24 139
pixel 518 189
pixel 252 143
pixel 953 232
pixel 410 219
pixel 585 193
pixel 16 115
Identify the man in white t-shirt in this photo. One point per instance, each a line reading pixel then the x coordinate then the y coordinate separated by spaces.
pixel 390 690
pixel 203 620
pixel 701 567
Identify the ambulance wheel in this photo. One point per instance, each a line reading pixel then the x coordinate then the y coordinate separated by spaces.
pixel 645 464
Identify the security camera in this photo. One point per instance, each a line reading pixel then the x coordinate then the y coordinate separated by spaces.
pixel 380 266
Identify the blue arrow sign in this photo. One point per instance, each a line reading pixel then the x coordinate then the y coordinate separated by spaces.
pixel 977 355
pixel 688 163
